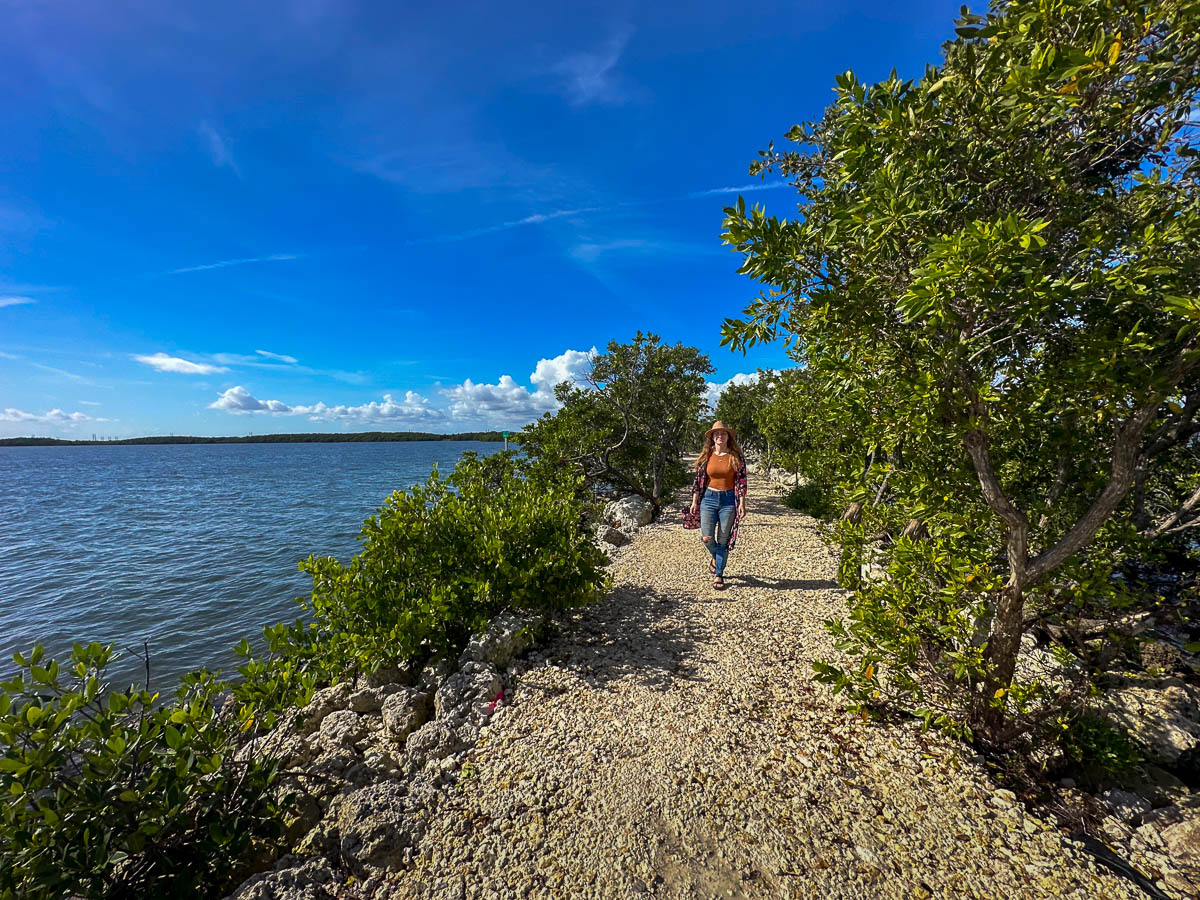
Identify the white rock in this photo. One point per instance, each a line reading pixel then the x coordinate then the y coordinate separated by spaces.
pixel 506 636
pixel 630 513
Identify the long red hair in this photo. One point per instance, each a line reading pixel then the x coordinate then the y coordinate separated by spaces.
pixel 731 446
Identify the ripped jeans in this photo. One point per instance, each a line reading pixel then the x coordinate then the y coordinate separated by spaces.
pixel 717 509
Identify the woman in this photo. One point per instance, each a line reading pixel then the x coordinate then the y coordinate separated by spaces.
pixel 719 494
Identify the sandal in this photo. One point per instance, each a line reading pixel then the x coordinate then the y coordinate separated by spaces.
pixel 719 584
pixel 712 566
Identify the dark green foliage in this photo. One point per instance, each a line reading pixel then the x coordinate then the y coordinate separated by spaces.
pixel 812 498
pixel 105 793
pixel 629 428
pixel 1096 750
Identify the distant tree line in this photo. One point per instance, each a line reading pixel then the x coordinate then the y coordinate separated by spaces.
pixel 312 438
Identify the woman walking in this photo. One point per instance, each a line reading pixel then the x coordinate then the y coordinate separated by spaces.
pixel 719 494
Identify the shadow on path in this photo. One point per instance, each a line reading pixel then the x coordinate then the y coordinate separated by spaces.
pixel 782 584
pixel 632 632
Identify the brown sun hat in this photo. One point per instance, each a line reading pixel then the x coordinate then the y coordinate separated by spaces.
pixel 720 426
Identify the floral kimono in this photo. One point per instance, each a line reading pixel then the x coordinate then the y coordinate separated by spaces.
pixel 700 485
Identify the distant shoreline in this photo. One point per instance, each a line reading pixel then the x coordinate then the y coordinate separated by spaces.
pixel 311 438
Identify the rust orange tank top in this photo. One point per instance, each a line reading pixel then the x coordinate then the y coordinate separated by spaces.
pixel 721 470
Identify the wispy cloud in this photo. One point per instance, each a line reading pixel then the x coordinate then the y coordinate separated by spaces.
pixel 590 251
pixel 538 218
pixel 225 263
pixel 15 301
pixel 65 374
pixel 165 363
pixel 218 149
pixel 278 356
pixel 591 76
pixel 741 189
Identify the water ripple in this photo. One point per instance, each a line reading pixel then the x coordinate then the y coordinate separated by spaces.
pixel 189 547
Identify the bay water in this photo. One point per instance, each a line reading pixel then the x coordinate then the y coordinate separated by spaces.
pixel 184 547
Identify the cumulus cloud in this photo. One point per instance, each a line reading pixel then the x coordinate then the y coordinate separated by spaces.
pixel 714 390
pixel 239 400
pixel 413 408
pixel 51 417
pixel 570 365
pixel 165 363
pixel 509 402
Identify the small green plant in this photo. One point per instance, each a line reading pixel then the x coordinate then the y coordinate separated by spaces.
pixel 1096 748
pixel 812 498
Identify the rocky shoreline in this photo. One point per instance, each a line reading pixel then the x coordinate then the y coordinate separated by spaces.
pixel 669 741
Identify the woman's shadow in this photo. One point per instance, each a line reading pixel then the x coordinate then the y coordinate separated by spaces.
pixel 782 584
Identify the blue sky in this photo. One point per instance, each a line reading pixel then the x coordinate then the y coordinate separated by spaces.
pixel 222 218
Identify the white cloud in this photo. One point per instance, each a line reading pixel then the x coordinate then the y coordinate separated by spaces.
pixel 165 363
pixel 508 402
pixel 277 356
pixel 468 404
pixel 15 301
pixel 714 390
pixel 224 263
pixel 218 149
pixel 413 408
pixel 591 77
pixel 50 417
pixel 570 365
pixel 239 400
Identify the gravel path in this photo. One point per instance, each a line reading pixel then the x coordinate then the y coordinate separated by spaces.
pixel 672 743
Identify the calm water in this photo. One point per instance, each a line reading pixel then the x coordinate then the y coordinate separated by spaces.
pixel 190 547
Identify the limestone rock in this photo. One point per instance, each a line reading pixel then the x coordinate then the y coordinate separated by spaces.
pixel 1164 718
pixel 631 513
pixel 610 535
pixel 466 695
pixel 1127 806
pixel 339 730
pixel 1183 846
pixel 432 741
pixel 404 712
pixel 324 702
pixel 506 636
pixel 435 672
pixel 370 700
pixel 292 878
pixel 376 827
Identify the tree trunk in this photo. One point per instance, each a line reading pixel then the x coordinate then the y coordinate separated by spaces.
pixel 915 530
pixel 1004 643
pixel 853 513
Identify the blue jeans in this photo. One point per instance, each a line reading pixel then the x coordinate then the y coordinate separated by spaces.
pixel 717 510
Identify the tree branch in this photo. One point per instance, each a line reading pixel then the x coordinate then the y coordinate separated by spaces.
pixel 1124 456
